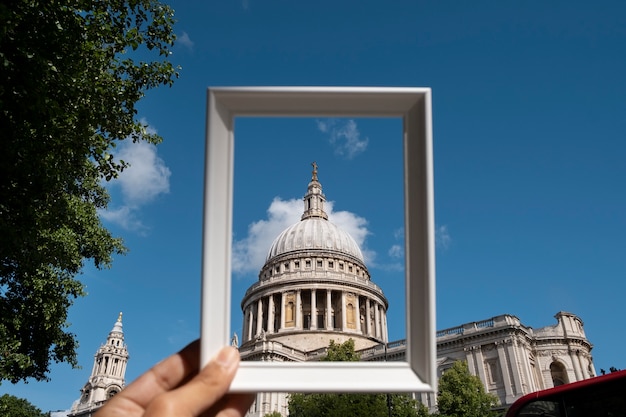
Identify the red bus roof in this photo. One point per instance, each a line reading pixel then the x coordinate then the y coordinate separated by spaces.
pixel 522 401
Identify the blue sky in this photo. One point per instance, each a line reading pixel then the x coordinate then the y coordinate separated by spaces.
pixel 529 144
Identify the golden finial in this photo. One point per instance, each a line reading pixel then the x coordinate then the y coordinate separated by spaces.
pixel 314 164
pixel 119 318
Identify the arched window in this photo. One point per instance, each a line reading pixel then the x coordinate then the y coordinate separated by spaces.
pixel 290 310
pixel 558 373
pixel 351 316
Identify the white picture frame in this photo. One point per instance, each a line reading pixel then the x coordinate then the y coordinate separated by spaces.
pixel 413 105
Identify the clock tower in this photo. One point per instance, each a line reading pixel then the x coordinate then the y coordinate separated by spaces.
pixel 107 375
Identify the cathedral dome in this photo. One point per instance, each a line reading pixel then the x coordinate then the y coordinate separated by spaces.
pixel 313 288
pixel 314 233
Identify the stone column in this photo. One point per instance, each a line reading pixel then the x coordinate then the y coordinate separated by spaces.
pixel 384 324
pixel 313 310
pixel 517 369
pixel 357 315
pixel 572 357
pixel 368 314
pixel 583 369
pixel 343 311
pixel 96 366
pixel 376 320
pixel 250 320
pixel 270 314
pixel 298 309
pixel 469 357
pixel 522 350
pixel 329 318
pixel 480 363
pixel 282 311
pixel 259 316
pixel 504 366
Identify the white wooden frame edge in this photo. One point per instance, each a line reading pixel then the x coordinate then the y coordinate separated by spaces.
pixel 413 105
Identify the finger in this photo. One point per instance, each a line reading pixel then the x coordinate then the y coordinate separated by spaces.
pixel 202 391
pixel 163 377
pixel 231 405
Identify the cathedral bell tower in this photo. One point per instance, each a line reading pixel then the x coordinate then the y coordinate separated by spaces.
pixel 107 375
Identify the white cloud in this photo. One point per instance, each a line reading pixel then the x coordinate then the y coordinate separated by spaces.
pixel 343 136
pixel 249 253
pixel 185 40
pixel 322 125
pixel 356 226
pixel 140 183
pixel 146 177
pixel 126 217
pixel 59 413
pixel 442 237
pixel 396 251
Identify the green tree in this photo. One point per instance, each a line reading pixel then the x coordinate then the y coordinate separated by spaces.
pixel 462 394
pixel 354 405
pixel 273 414
pixel 11 406
pixel 405 406
pixel 341 352
pixel 70 77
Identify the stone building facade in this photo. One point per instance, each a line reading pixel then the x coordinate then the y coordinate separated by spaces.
pixel 315 287
pixel 107 374
pixel 511 359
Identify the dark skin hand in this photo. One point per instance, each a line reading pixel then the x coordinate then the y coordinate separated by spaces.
pixel 176 387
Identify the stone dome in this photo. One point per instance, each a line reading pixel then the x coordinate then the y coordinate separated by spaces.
pixel 314 233
pixel 313 288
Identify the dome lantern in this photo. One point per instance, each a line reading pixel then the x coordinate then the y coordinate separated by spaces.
pixel 314 198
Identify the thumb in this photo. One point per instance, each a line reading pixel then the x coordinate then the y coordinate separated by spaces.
pixel 202 391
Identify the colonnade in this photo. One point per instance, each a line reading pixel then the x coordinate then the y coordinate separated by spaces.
pixel 315 309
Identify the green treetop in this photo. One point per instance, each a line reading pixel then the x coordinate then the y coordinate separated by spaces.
pixel 462 394
pixel 11 406
pixel 69 84
pixel 353 405
pixel 341 352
